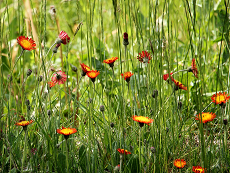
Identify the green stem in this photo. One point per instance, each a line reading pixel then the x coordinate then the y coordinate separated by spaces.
pixel 67 156
pixel 121 158
pixel 25 151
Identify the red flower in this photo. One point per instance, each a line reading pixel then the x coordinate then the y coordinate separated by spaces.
pixel 26 43
pixel 92 75
pixel 193 68
pixel 144 57
pixel 84 68
pixel 66 131
pixel 198 169
pixel 123 151
pixel 127 76
pixel 24 123
pixel 64 38
pixel 179 85
pixel 59 77
pixel 166 76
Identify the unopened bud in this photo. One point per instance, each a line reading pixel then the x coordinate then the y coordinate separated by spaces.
pixel 56 47
pixel 74 68
pixel 155 94
pixel 27 102
pixel 153 150
pixel 102 108
pixel 49 112
pixel 40 78
pixel 112 125
pixel 125 39
pixel 225 121
pixel 29 71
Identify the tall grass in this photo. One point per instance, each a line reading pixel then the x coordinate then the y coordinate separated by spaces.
pixel 178 31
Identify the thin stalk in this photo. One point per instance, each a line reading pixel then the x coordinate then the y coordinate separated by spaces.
pixel 67 156
pixel 25 151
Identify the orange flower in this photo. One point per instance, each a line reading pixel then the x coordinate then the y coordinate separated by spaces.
pixel 59 77
pixel 24 123
pixel 110 61
pixel 66 131
pixel 220 98
pixel 142 120
pixel 51 84
pixel 123 151
pixel 144 57
pixel 26 43
pixel 193 68
pixel 179 85
pixel 92 74
pixel 198 169
pixel 84 68
pixel 179 163
pixel 206 117
pixel 127 76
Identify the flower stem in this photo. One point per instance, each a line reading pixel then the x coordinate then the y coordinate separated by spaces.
pixel 67 156
pixel 207 106
pixel 25 151
pixel 51 48
pixel 17 61
pixel 121 158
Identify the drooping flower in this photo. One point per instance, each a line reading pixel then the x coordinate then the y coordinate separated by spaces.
pixel 66 131
pixel 123 151
pixel 179 163
pixel 144 57
pixel 84 68
pixel 198 169
pixel 110 61
pixel 206 117
pixel 51 84
pixel 59 77
pixel 166 76
pixel 142 120
pixel 125 39
pixel 92 74
pixel 24 123
pixel 127 76
pixel 220 98
pixel 63 38
pixel 26 43
pixel 193 68
pixel 179 85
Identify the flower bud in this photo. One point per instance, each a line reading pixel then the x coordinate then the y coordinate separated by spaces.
pixel 155 94
pixel 153 150
pixel 27 102
pixel 56 47
pixel 112 125
pixel 49 112
pixel 29 71
pixel 179 105
pixel 40 78
pixel 102 108
pixel 125 39
pixel 74 68
pixel 225 121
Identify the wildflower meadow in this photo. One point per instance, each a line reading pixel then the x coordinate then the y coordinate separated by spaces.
pixel 102 86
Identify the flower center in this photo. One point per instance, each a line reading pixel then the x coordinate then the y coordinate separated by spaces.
pixel 25 43
pixel 58 76
pixel 220 98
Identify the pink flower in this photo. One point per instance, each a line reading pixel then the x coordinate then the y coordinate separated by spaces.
pixel 63 38
pixel 59 77
pixel 166 76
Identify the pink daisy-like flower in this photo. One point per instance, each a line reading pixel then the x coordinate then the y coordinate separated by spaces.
pixel 63 38
pixel 59 77
pixel 193 68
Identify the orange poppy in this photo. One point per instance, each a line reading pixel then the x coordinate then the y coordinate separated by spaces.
pixel 110 61
pixel 198 169
pixel 179 163
pixel 26 43
pixel 206 117
pixel 142 120
pixel 66 131
pixel 179 85
pixel 220 98
pixel 123 151
pixel 127 76
pixel 24 123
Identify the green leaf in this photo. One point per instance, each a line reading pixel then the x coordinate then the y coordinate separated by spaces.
pixel 83 158
pixel 61 162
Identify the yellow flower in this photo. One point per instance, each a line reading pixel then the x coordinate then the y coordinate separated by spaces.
pixel 220 98
pixel 206 117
